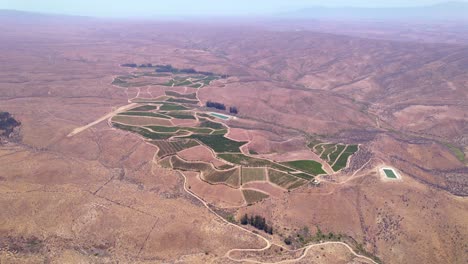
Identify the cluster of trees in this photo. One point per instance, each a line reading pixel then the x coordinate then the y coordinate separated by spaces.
pixel 216 105
pixel 169 68
pixel 134 65
pixel 130 65
pixel 7 124
pixel 165 68
pixel 303 236
pixel 233 110
pixel 257 222
pixel 147 65
pixel 220 106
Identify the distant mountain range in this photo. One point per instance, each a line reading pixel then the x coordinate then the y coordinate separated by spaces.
pixel 442 11
pixel 454 11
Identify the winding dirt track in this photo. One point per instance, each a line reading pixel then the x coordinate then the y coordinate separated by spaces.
pixel 268 243
pixel 304 254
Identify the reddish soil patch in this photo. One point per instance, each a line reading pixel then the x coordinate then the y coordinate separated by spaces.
pixel 238 134
pixel 131 92
pixel 262 144
pixel 155 91
pixel 179 89
pixel 200 153
pixel 219 195
pixel 265 187
pixel 292 155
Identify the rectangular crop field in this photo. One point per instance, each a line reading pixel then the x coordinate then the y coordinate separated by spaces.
pixel 150 114
pixel 180 115
pixel 253 174
pixel 182 101
pixel 172 107
pixel 172 147
pixel 198 130
pixel 230 177
pixel 187 96
pixel 210 124
pixel 285 180
pixel 309 166
pixel 247 161
pixel 144 108
pixel 159 99
pixel 304 176
pixel 219 143
pixel 142 131
pixel 244 160
pixel 140 120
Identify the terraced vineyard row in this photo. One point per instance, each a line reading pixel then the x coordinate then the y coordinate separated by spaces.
pixel 167 148
pixel 158 120
pixel 164 76
pixel 209 173
pixel 337 155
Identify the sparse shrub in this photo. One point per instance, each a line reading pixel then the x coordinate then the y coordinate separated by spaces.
pixel 129 65
pixel 244 220
pixel 231 218
pixel 257 222
pixel 233 110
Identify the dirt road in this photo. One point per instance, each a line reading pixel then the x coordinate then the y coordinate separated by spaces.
pixel 109 115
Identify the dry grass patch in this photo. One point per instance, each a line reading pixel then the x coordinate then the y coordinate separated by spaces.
pixel 253 174
pixel 165 163
pixel 201 153
pixel 180 164
pixel 229 177
pixel 285 180
pixel 252 196
pixel 218 195
pixel 172 147
pixel 266 187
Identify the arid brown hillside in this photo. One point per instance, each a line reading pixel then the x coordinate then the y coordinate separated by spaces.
pixel 387 78
pixel 100 196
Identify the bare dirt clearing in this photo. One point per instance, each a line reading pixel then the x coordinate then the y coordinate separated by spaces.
pixel 201 153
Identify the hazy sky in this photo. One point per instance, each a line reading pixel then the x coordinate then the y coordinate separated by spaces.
pixel 133 8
